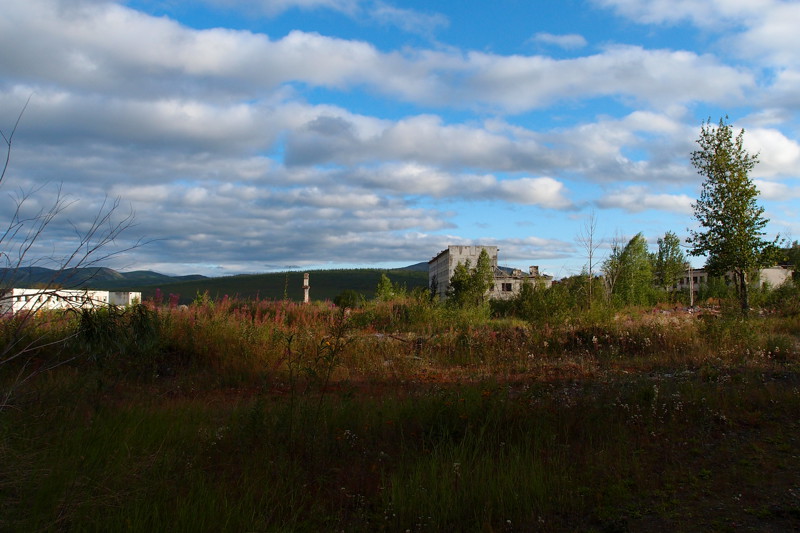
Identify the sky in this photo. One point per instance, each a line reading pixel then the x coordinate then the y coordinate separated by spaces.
pixel 268 135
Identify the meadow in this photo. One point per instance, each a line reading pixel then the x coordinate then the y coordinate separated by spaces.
pixel 402 415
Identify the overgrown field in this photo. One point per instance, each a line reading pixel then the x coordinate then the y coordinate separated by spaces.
pixel 400 416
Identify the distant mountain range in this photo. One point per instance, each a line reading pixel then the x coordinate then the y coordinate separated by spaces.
pixel 93 277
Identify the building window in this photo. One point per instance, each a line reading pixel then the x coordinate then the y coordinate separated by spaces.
pixel 506 287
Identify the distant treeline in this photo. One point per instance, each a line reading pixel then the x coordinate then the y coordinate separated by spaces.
pixel 325 285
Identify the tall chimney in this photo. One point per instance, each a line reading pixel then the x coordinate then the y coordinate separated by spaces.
pixel 306 287
pixel 534 271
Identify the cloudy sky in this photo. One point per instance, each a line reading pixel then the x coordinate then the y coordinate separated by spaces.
pixel 264 135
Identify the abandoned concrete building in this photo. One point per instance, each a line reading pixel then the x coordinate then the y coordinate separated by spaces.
pixel 507 283
pixel 13 301
pixel 695 278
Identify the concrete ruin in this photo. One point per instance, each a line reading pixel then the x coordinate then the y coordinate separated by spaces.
pixel 507 284
pixel 13 301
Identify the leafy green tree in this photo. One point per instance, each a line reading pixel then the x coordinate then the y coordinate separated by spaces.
pixel 468 286
pixel 632 273
pixel 385 290
pixel 792 257
pixel 349 298
pixel 732 222
pixel 540 305
pixel 669 262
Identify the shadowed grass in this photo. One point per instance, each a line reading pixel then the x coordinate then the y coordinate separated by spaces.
pixel 259 416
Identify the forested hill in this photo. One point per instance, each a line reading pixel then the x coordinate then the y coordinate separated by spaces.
pixel 92 278
pixel 325 284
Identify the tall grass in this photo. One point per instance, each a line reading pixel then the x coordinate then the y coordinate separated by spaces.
pixel 235 415
pixel 480 456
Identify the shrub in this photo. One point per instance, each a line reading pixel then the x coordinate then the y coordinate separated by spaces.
pixel 349 298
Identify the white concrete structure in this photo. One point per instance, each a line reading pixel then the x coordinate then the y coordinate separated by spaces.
pixel 441 267
pixel 13 301
pixel 506 285
pixel 697 277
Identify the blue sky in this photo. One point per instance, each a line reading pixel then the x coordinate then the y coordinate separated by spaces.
pixel 254 136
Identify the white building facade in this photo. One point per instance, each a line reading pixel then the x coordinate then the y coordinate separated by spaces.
pixel 695 278
pixel 13 301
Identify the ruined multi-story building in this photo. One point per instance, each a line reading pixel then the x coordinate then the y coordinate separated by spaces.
pixel 507 283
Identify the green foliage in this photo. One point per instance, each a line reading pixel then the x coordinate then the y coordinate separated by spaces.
pixel 468 286
pixel 540 305
pixel 784 299
pixel 325 284
pixel 387 291
pixel 732 222
pixel 349 298
pixel 669 262
pixel 125 339
pixel 629 273
pixel 715 288
pixel 792 257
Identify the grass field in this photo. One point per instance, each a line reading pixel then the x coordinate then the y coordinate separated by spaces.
pixel 402 416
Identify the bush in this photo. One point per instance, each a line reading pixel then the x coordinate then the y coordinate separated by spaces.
pixel 784 299
pixel 349 299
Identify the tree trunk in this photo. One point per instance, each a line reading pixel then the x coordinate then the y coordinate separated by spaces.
pixel 743 296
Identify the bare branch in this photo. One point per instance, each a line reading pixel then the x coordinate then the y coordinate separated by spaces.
pixel 10 137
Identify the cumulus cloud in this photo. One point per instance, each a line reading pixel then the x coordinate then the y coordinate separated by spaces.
pixel 343 138
pixel 571 41
pixel 298 148
pixel 106 53
pixel 424 181
pixel 771 190
pixel 701 13
pixel 384 13
pixel 517 83
pixel 756 29
pixel 636 199
pixel 777 154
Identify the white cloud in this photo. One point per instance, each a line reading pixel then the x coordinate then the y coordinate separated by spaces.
pixel 244 146
pixel 771 190
pixel 546 192
pixel 778 155
pixel 705 13
pixel 571 41
pixel 635 199
pixel 757 29
pixel 654 77
pixel 101 51
pixel 772 34
pixel 406 19
pixel 419 180
pixel 276 7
